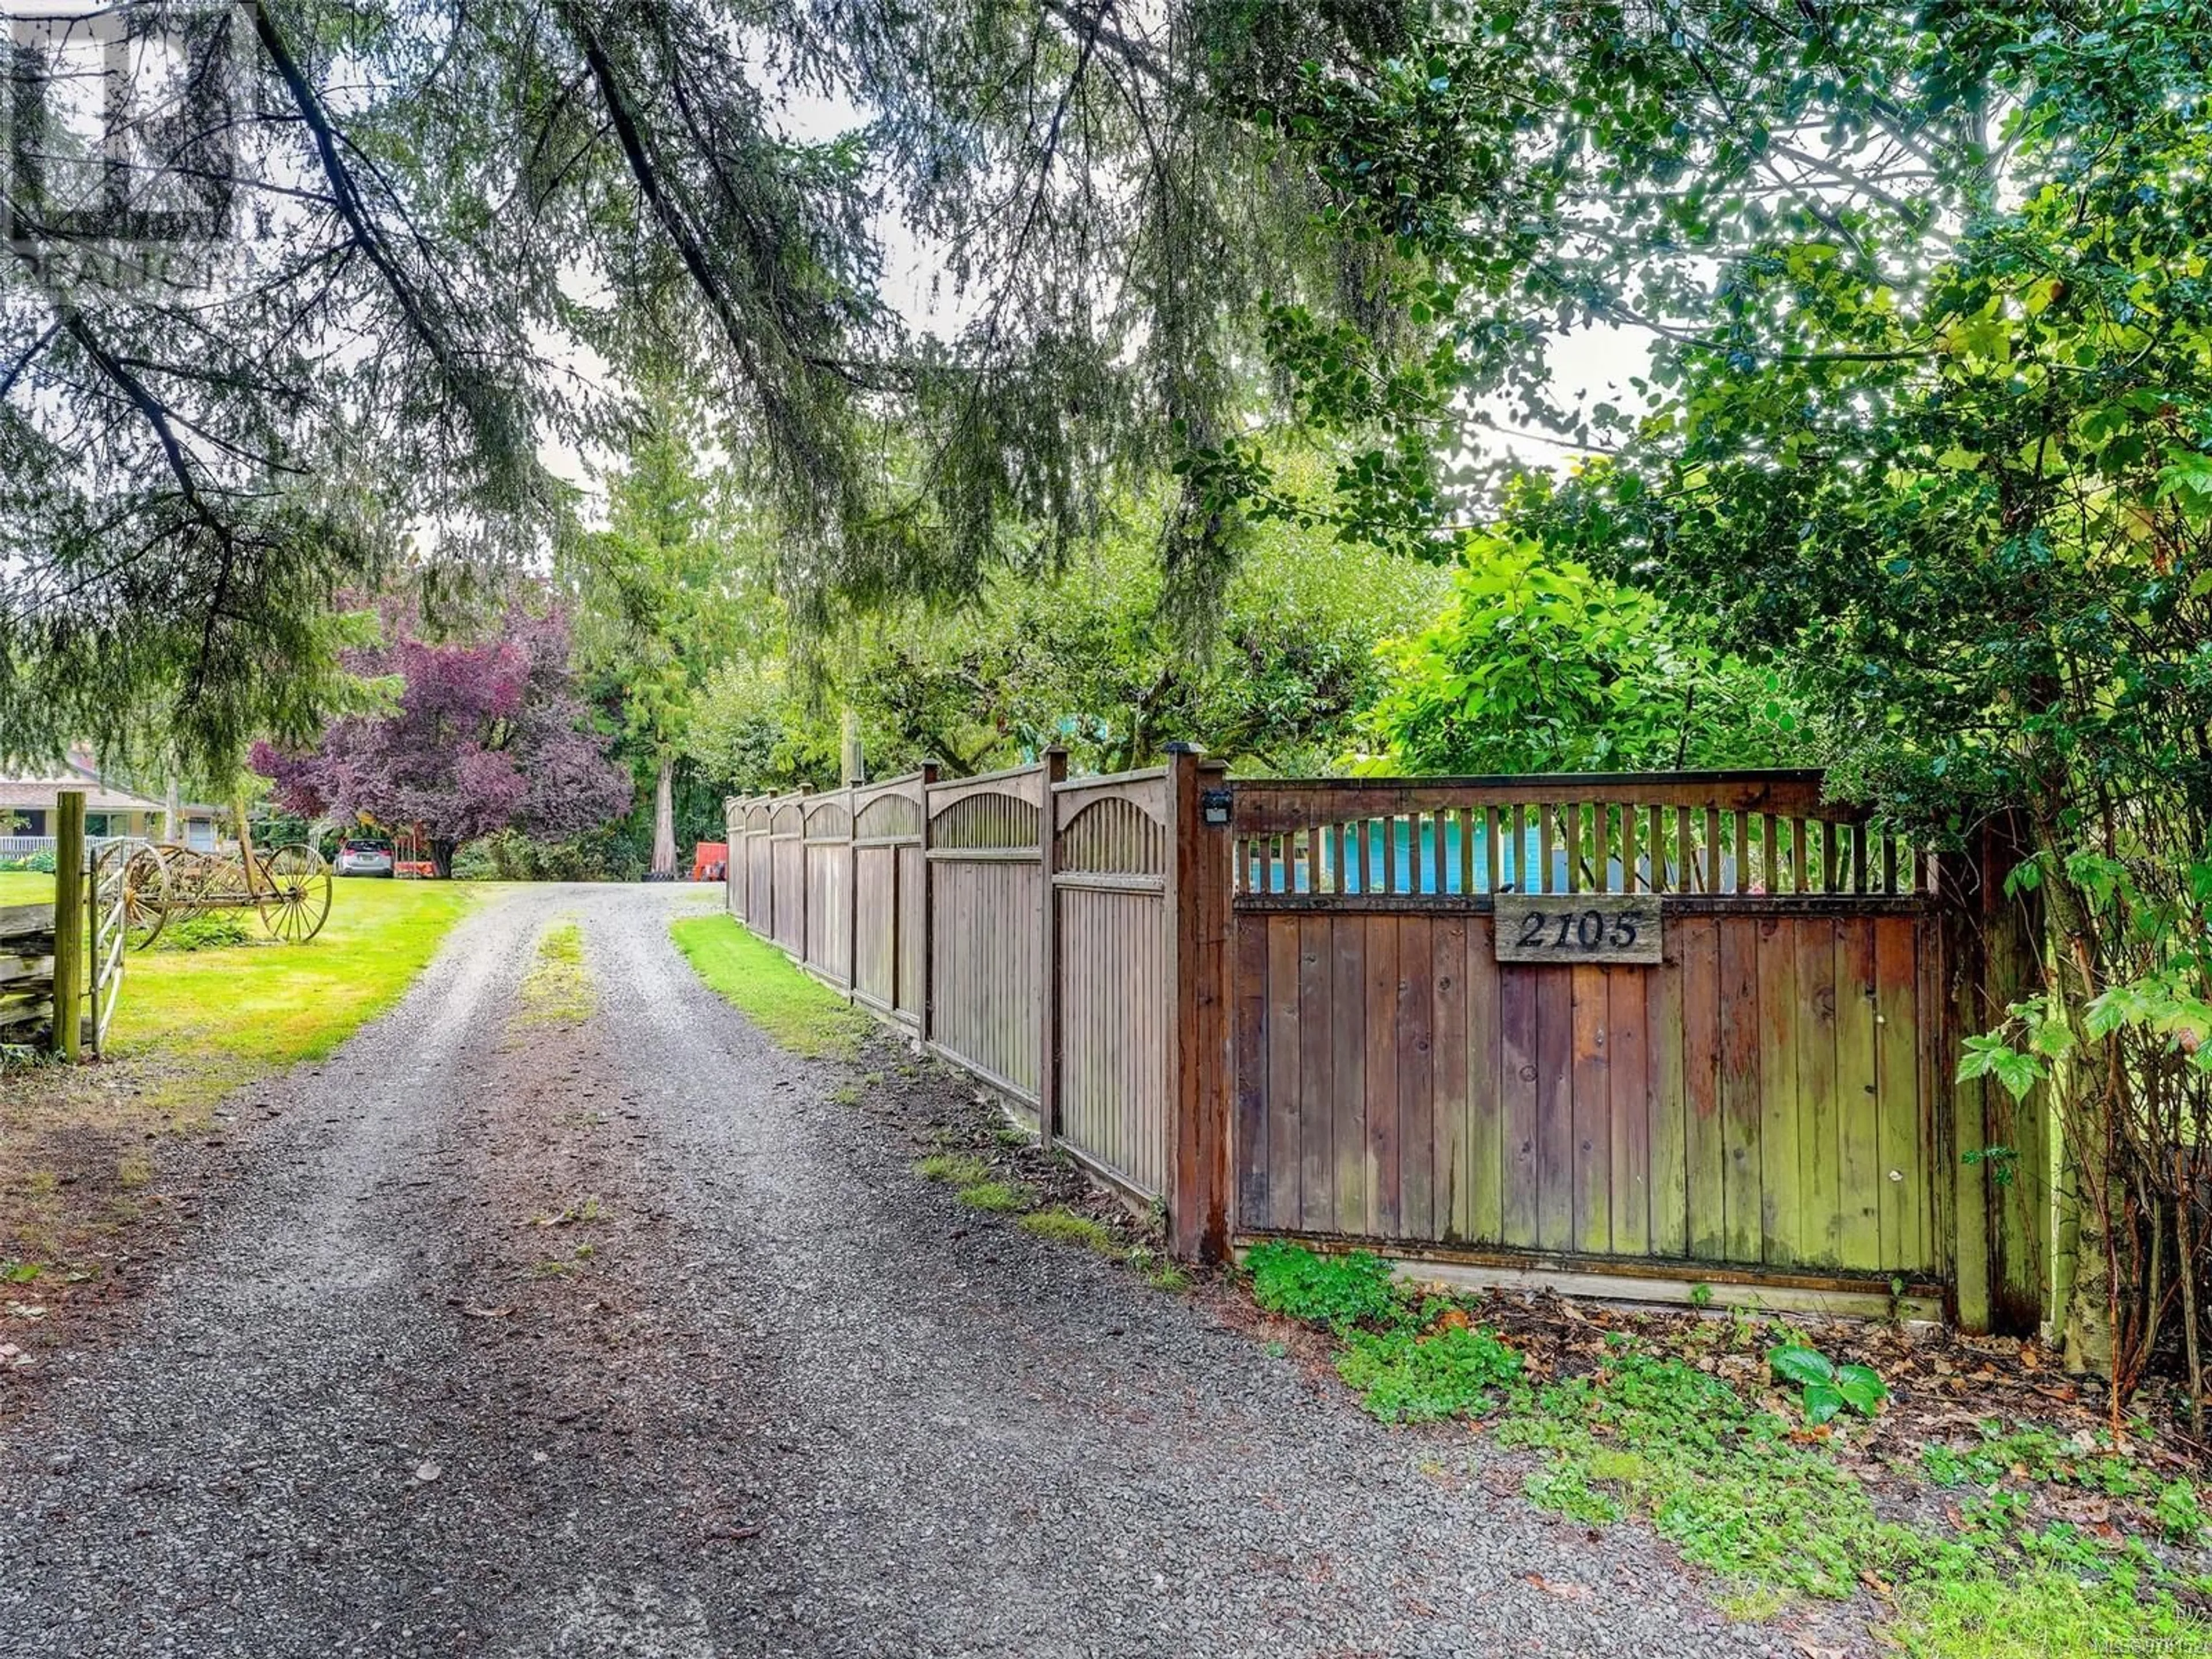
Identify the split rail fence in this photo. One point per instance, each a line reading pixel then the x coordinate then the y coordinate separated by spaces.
pixel 65 956
pixel 1651 1030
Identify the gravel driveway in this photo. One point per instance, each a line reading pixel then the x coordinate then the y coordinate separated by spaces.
pixel 621 1336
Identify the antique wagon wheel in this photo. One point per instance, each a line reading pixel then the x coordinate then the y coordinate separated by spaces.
pixel 147 894
pixel 293 894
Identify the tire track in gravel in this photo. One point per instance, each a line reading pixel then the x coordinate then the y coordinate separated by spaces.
pixel 792 1401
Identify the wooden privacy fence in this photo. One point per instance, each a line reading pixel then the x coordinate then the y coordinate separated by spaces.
pixel 1664 1029
pixel 1016 924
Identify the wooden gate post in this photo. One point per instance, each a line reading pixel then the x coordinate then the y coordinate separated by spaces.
pixel 925 1015
pixel 2000 1216
pixel 1055 771
pixel 69 914
pixel 1200 1085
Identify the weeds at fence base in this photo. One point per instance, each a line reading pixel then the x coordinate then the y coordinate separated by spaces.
pixel 2033 1541
pixel 1065 1226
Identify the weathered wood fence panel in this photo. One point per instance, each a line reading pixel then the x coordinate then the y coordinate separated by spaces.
pixel 1282 1007
pixel 1755 1099
pixel 986 919
pixel 828 911
pixel 1110 881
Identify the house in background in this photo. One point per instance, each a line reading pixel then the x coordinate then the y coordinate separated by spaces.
pixel 111 811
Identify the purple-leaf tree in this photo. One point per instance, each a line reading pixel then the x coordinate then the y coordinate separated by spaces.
pixel 485 737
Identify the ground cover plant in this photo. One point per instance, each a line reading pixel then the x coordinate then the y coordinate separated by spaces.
pixel 1981 1512
pixel 557 990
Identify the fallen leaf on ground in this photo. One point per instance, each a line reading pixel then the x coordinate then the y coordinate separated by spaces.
pixel 1560 1588
pixel 487 1313
pixel 426 1473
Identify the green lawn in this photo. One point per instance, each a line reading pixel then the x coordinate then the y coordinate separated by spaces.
pixel 205 1021
pixel 794 1010
pixel 26 887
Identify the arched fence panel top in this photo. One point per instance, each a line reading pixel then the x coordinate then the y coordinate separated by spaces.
pixel 985 820
pixel 889 817
pixel 786 819
pixel 1114 835
pixel 1028 783
pixel 827 819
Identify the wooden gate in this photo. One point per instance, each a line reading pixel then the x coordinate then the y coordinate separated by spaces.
pixel 1759 1102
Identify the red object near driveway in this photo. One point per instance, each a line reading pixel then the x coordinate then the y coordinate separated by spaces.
pixel 709 859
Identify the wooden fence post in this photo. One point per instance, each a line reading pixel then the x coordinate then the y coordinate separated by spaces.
pixel 852 893
pixel 733 827
pixel 1199 1084
pixel 925 1015
pixel 69 914
pixel 1056 771
pixel 2002 1278
pixel 804 790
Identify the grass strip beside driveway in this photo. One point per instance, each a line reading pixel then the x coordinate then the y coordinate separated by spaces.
pixel 202 1022
pixel 792 1009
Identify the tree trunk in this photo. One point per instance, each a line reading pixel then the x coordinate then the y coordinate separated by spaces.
pixel 441 856
pixel 173 809
pixel 664 820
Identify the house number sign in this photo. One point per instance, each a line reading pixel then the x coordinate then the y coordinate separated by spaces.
pixel 1578 927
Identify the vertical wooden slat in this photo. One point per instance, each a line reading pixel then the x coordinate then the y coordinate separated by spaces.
pixel 1255 1155
pixel 1344 1097
pixel 1864 1188
pixel 1555 1120
pixel 1467 874
pixel 1449 1066
pixel 1378 1166
pixel 1797 854
pixel 1482 1212
pixel 1669 1134
pixel 1570 837
pixel 1591 1083
pixel 1520 1076
pixel 1416 1023
pixel 1629 1183
pixel 1544 875
pixel 1286 1122
pixel 1631 880
pixel 1323 1010
pixel 1743 1228
pixel 1820 1119
pixel 1896 1103
pixel 1710 1160
pixel 1713 852
pixel 1781 1183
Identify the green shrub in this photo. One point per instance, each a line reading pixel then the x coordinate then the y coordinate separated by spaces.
pixel 37 864
pixel 1404 1376
pixel 1338 1292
